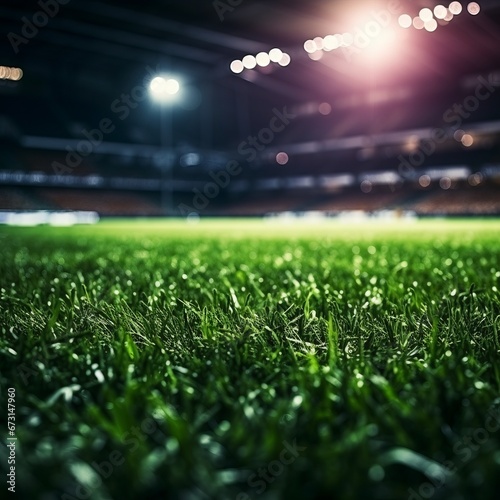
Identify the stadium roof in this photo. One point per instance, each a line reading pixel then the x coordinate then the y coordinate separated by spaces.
pixel 80 56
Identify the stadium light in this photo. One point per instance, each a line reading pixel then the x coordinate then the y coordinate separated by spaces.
pixel 381 50
pixel 8 73
pixel 262 60
pixel 164 89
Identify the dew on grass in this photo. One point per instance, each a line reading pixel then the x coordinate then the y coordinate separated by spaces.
pixel 34 420
pixel 376 473
pixel 99 376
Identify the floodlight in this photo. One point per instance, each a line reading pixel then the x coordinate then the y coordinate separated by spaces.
pixel 163 88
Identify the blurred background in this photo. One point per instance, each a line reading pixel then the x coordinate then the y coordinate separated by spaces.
pixel 249 108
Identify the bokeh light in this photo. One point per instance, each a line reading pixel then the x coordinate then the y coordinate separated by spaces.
pixel 467 140
pixel 325 108
pixel 316 56
pixel 440 11
pixel 445 183
pixel 455 8
pixel 424 181
pixel 282 158
pixel 318 42
pixel 263 59
pixel 310 46
pixel 431 25
pixel 249 62
pixel 418 23
pixel 13 74
pixel 425 14
pixel 404 21
pixel 275 55
pixel 285 60
pixel 330 43
pixel 237 66
pixel 473 8
pixel 475 179
pixel 366 186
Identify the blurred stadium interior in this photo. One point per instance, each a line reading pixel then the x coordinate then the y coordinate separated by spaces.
pixel 348 118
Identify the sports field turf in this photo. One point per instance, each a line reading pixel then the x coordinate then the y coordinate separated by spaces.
pixel 250 360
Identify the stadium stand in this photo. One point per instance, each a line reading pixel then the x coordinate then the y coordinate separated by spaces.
pixel 462 200
pixel 264 204
pixel 17 199
pixel 354 199
pixel 110 203
pixel 484 200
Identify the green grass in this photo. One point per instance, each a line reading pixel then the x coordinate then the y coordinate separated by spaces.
pixel 184 361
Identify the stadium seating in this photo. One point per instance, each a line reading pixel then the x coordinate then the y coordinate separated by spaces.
pixel 475 201
pixel 111 203
pixel 17 199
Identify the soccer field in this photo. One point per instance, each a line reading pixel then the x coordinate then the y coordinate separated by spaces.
pixel 245 359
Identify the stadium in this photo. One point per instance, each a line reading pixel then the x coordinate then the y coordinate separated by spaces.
pixel 250 249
